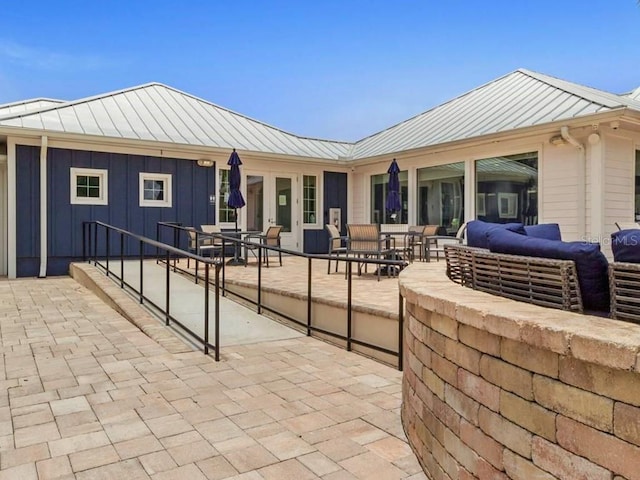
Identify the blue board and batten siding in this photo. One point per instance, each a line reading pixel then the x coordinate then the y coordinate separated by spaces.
pixel 335 196
pixel 191 187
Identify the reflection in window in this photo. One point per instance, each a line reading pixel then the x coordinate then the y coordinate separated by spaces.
pixel 309 199
pixel 225 213
pixel 155 189
pixel 441 196
pixel 637 206
pixel 379 185
pixel 507 189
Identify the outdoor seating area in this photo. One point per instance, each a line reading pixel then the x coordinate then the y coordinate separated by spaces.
pixel 532 264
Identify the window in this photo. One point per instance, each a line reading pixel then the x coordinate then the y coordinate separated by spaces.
pixel 309 196
pixel 379 185
pixel 225 214
pixel 509 185
pixel 155 189
pixel 89 186
pixel 440 192
pixel 637 192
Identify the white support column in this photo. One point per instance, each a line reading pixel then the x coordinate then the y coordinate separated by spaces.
pixel 11 208
pixel 43 207
pixel 469 190
pixel 596 161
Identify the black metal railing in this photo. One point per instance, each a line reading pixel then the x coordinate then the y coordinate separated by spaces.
pixel 229 238
pixel 99 249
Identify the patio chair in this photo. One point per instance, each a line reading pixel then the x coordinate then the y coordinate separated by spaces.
pixel 365 241
pixel 335 244
pixel 270 238
pixel 199 243
pixel 212 240
pixel 435 244
pixel 416 238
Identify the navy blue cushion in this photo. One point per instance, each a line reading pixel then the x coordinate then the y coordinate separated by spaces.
pixel 591 264
pixel 477 231
pixel 550 231
pixel 625 245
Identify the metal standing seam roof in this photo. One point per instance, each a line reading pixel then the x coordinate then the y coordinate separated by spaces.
pixel 519 99
pixel 156 112
pixel 34 104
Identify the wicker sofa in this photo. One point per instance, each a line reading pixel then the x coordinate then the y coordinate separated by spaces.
pixel 540 281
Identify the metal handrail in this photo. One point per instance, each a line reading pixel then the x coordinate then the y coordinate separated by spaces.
pixel 307 325
pixel 90 249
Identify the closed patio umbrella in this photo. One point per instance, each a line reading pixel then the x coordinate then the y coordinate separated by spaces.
pixel 393 203
pixel 235 199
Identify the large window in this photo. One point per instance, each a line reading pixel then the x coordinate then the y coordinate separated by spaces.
pixel 507 189
pixel 89 186
pixel 225 214
pixel 379 185
pixel 309 199
pixel 440 198
pixel 637 206
pixel 155 189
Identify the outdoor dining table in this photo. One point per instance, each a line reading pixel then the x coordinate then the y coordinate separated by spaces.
pixel 239 259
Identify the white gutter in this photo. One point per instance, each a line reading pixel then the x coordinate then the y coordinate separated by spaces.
pixel 582 181
pixel 43 207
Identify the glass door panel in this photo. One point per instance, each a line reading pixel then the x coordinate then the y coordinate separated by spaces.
pixel 283 203
pixel 255 203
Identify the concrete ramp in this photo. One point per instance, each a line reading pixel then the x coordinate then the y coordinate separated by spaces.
pixel 239 325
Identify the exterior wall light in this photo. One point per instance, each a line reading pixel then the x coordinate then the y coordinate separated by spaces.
pixel 205 162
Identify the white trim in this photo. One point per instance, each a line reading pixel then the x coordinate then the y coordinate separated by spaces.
pixel 165 178
pixel 103 176
pixel 317 214
pixel 43 208
pixel 11 208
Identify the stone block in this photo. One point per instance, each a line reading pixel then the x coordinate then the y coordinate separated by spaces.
pixel 563 464
pixel 447 326
pixel 505 432
pixel 507 376
pixel 479 339
pixel 479 389
pixel 466 357
pixel 464 405
pixel 626 421
pixel 485 446
pixel 445 369
pixel 530 358
pixel 528 415
pixel 586 407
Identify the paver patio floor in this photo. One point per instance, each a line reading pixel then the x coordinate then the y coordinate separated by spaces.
pixel 87 395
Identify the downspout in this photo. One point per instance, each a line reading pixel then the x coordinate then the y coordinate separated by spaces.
pixel 582 182
pixel 43 207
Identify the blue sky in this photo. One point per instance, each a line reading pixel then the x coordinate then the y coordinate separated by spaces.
pixel 330 69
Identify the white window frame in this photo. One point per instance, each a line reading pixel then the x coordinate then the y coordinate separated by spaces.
pixel 103 177
pixel 163 177
pixel 316 200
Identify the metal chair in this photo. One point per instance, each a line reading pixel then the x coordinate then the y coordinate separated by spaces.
pixel 335 244
pixel 365 241
pixel 200 243
pixel 270 238
pixel 435 243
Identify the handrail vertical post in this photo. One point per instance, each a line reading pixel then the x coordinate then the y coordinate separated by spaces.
pixel 224 247
pixel 95 245
pixel 168 289
pixel 400 331
pixel 206 308
pixel 197 255
pixel 84 241
pixel 157 240
pixel 349 305
pixel 217 312
pixel 141 267
pixel 121 260
pixel 309 297
pixel 175 244
pixel 108 235
pixel 259 279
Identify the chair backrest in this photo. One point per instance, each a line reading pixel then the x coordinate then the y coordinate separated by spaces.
pixel 212 229
pixel 364 237
pixel 192 237
pixel 272 235
pixel 462 231
pixel 335 241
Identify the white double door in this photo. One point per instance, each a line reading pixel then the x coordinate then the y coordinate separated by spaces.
pixel 272 199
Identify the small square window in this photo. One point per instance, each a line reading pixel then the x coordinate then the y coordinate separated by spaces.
pixel 88 186
pixel 155 189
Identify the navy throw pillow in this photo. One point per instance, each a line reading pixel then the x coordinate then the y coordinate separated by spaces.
pixel 625 246
pixel 550 231
pixel 591 264
pixel 477 231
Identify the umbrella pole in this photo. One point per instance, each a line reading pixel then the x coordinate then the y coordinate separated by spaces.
pixel 236 260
